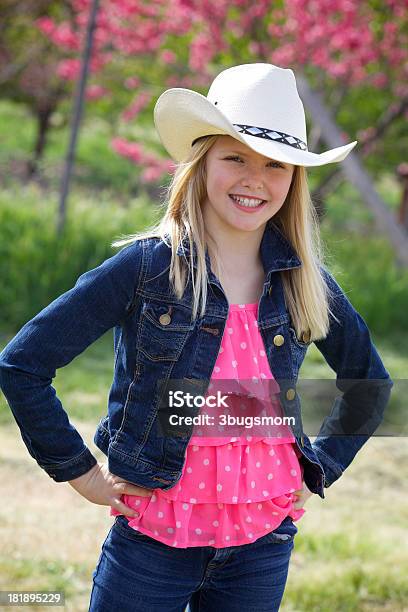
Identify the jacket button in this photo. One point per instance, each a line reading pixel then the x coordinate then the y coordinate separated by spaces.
pixel 278 340
pixel 290 394
pixel 270 290
pixel 165 319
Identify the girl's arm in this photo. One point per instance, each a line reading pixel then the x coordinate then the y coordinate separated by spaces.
pixel 363 379
pixel 100 299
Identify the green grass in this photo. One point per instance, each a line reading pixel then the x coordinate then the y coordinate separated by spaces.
pixel 44 575
pixel 353 588
pixel 348 571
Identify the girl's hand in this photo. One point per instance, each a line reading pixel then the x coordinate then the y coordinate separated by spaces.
pixel 302 496
pixel 100 486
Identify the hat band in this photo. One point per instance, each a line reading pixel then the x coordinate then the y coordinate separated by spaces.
pixel 267 134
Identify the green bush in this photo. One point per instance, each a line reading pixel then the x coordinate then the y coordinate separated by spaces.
pixel 35 265
pixel 365 268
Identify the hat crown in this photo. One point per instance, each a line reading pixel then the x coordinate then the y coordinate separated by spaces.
pixel 240 93
pixel 257 104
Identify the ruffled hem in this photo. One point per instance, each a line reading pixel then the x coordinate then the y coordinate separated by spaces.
pixel 236 473
pixel 183 525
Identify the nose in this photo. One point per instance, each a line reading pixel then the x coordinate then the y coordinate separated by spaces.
pixel 253 178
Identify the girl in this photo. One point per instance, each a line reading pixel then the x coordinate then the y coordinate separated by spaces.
pixel 227 292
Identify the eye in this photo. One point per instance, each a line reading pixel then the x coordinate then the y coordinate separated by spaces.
pixel 277 164
pixel 270 164
pixel 233 158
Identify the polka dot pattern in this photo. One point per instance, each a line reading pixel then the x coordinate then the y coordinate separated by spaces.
pixel 234 489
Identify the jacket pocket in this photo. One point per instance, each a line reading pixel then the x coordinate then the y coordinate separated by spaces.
pixel 163 330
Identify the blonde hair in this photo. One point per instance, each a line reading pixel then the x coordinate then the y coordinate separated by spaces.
pixel 306 292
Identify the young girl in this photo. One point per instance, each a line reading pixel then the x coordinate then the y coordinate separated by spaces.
pixel 227 292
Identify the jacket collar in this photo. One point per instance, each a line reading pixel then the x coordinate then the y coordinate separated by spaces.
pixel 276 251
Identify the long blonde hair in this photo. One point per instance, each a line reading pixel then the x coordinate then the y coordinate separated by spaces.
pixel 306 292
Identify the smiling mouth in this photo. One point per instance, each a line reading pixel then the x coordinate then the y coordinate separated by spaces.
pixel 248 203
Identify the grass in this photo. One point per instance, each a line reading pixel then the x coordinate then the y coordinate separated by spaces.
pixel 42 574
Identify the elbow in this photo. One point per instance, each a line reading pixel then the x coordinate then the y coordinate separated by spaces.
pixel 7 370
pixel 4 376
pixel 3 369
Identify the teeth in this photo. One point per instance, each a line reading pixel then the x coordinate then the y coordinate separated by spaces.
pixel 250 202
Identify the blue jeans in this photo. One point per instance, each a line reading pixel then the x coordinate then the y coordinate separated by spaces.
pixel 137 573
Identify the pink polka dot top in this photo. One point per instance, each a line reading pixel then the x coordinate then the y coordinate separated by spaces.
pixel 233 489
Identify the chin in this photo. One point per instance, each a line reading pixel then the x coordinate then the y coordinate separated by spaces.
pixel 248 227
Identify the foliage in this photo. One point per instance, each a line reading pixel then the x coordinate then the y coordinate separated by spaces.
pixel 35 266
pixel 353 52
pixel 28 60
pixel 28 64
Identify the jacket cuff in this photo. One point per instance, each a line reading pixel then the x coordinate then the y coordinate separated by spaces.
pixel 331 469
pixel 68 470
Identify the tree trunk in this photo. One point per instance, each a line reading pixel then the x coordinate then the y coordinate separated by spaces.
pixel 355 172
pixel 76 116
pixel 43 124
pixel 334 178
pixel 402 174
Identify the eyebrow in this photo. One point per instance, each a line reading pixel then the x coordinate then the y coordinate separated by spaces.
pixel 235 152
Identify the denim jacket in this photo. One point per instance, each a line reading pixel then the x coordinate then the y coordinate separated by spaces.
pixel 130 292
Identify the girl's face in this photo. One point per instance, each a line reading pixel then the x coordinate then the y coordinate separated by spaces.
pixel 235 174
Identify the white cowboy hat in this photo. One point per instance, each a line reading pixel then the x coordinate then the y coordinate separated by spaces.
pixel 258 104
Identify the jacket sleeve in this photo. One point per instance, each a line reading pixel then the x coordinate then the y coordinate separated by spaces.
pixel 362 378
pixel 100 299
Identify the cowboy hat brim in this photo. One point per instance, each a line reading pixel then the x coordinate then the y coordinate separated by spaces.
pixel 182 115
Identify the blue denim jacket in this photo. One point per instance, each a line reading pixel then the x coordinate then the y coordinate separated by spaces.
pixel 130 292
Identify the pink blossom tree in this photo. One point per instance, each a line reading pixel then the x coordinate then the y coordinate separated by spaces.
pixel 352 52
pixel 29 62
